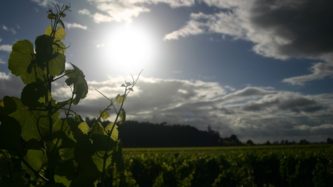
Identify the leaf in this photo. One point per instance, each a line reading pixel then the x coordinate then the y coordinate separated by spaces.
pixel 84 127
pixel 97 128
pixel 122 115
pixel 114 133
pixel 97 158
pixel 9 105
pixel 20 60
pixel 59 34
pixel 32 93
pixel 120 99
pixel 105 115
pixel 44 50
pixel 61 180
pixel 66 153
pixel 35 158
pixel 57 64
pixel 10 134
pixel 26 120
pixel 76 78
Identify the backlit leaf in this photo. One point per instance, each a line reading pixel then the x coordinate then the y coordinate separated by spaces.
pixel 59 34
pixel 35 158
pixel 32 93
pixel 122 115
pixel 20 60
pixel 97 158
pixel 120 99
pixel 27 121
pixel 76 78
pixel 114 133
pixel 84 127
pixel 57 65
pixel 105 115
pixel 44 50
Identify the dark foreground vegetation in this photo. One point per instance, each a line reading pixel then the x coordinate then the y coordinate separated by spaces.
pixel 307 165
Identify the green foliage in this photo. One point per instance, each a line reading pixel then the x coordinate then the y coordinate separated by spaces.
pixel 43 142
pixel 242 166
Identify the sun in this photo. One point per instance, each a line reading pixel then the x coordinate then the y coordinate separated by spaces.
pixel 128 48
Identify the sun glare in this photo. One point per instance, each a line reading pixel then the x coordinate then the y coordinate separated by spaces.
pixel 128 49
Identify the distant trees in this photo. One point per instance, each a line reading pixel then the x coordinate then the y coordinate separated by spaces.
pixel 145 134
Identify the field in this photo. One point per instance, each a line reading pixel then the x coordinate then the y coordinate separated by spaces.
pixel 294 165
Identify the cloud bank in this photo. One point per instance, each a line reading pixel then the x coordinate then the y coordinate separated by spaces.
pixel 259 113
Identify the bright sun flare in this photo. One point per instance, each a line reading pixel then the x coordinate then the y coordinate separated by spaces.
pixel 128 49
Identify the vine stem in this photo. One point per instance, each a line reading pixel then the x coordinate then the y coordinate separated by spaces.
pixel 126 92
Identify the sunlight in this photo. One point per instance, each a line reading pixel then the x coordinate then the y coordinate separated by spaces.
pixel 128 48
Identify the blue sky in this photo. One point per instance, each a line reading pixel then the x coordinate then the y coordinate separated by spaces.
pixel 259 69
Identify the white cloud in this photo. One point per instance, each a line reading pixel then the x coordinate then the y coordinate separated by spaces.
pixel 76 26
pixel 3 76
pixel 2 61
pixel 118 11
pixel 8 29
pixel 127 10
pixel 5 48
pixel 318 71
pixel 193 27
pixel 44 3
pixel 258 113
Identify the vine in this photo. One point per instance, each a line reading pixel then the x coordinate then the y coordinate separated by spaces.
pixel 43 142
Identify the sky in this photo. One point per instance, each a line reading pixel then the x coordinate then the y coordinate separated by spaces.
pixel 259 69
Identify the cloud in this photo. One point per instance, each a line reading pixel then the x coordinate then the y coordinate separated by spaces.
pixel 9 85
pixel 6 48
pixel 118 11
pixel 8 29
pixel 126 10
pixel 44 3
pixel 76 26
pixel 280 29
pixel 193 27
pixel 318 71
pixel 259 113
pixel 2 61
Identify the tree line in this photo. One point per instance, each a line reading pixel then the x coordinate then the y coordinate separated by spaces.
pixel 148 134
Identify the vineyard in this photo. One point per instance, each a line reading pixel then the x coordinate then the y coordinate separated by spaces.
pixel 310 165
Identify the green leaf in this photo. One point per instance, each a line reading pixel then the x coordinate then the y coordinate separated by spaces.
pixel 114 133
pixel 76 78
pixel 97 158
pixel 120 99
pixel 10 134
pixel 44 50
pixel 32 93
pixel 20 61
pixel 35 158
pixel 84 127
pixel 26 120
pixel 105 115
pixel 62 180
pixel 57 64
pixel 97 128
pixel 66 153
pixel 9 105
pixel 59 34
pixel 122 115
